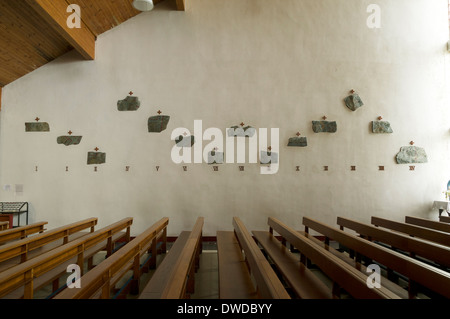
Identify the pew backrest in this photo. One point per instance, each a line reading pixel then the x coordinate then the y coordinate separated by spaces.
pixel 427 223
pixel 414 246
pixel 412 230
pixel 268 284
pixel 428 276
pixel 100 277
pixel 22 247
pixel 23 275
pixel 341 273
pixel 21 232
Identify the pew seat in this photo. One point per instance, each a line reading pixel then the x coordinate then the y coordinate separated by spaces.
pixel 174 278
pixel 303 282
pixel 235 281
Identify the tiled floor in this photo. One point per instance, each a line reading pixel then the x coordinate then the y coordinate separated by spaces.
pixel 207 277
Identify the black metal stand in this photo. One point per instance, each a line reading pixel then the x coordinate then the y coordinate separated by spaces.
pixel 17 208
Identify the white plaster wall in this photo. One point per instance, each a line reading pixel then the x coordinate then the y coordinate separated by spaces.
pixel 270 64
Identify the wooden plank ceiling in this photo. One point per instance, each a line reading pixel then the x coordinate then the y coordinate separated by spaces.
pixel 34 32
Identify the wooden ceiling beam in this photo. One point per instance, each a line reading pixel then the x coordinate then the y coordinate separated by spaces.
pixel 55 13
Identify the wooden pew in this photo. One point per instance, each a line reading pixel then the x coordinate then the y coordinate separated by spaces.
pixel 420 249
pixel 268 284
pixel 19 251
pixel 101 281
pixel 174 278
pixel 341 273
pixel 300 279
pixel 427 223
pixel 412 230
pixel 444 219
pixel 22 280
pixel 417 272
pixel 21 232
pixel 4 225
pixel 235 281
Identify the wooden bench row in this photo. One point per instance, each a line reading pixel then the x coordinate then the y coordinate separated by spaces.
pixel 416 271
pixel 280 263
pixel 292 278
pixel 33 262
pixel 21 232
pixel 101 281
pixel 22 280
pixel 174 277
pixel 19 251
pixel 343 276
pixel 267 284
pixel 240 263
pixel 426 251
